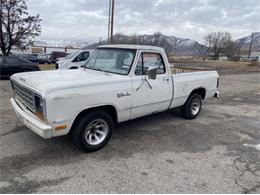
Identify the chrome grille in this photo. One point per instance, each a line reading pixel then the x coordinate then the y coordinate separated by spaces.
pixel 25 95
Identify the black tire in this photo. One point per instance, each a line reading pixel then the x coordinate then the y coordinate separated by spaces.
pixel 80 130
pixel 188 110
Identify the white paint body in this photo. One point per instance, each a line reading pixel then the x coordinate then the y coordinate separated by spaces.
pixel 67 93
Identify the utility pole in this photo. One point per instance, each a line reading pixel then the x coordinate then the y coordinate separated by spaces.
pixel 175 46
pixel 250 46
pixel 112 21
pixel 109 22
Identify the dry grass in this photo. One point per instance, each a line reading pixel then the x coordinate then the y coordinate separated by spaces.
pixel 47 66
pixel 223 67
pixel 256 64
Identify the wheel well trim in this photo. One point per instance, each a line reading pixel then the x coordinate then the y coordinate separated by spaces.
pixel 96 107
pixel 200 88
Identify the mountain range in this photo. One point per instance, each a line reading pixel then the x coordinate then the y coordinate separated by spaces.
pixel 176 45
pixel 245 42
pixel 61 43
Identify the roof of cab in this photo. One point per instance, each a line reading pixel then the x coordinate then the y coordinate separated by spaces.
pixel 139 47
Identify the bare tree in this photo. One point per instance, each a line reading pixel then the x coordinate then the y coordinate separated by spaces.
pixel 217 42
pixel 231 49
pixel 17 27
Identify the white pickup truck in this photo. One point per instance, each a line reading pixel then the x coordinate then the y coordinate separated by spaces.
pixel 117 83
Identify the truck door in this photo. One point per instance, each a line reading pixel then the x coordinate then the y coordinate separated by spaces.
pixel 150 96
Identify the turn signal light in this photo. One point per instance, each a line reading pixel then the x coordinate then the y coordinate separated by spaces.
pixel 61 127
pixel 39 115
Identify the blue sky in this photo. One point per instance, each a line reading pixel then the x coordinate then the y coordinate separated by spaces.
pixel 87 20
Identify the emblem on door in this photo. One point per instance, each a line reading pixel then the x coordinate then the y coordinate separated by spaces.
pixel 123 94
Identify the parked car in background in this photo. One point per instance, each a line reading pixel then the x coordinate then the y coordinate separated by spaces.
pixel 55 55
pixel 29 57
pixel 62 58
pixel 44 58
pixel 12 64
pixel 51 58
pixel 74 60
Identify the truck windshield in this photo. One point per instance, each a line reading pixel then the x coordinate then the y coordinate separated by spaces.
pixel 71 55
pixel 118 61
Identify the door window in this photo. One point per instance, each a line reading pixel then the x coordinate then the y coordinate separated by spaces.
pixel 147 60
pixel 11 61
pixel 83 56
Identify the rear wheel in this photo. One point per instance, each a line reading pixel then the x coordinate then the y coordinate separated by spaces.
pixel 92 131
pixel 192 107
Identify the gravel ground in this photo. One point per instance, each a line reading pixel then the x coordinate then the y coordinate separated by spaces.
pixel 163 153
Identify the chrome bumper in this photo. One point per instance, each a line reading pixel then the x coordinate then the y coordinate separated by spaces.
pixel 216 94
pixel 39 127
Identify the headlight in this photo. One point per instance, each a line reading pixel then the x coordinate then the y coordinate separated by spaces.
pixel 39 107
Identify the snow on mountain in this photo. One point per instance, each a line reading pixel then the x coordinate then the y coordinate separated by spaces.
pixel 173 45
pixel 187 47
pixel 61 43
pixel 245 42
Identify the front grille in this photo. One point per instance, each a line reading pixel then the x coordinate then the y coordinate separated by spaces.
pixel 25 96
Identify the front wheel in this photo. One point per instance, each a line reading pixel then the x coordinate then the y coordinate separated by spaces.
pixel 92 131
pixel 192 107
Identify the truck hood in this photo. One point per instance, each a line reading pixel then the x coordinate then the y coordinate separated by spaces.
pixel 45 81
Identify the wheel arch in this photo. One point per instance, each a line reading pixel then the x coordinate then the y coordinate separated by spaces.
pixel 109 109
pixel 200 91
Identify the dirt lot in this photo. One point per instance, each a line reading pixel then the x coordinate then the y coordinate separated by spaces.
pixel 162 153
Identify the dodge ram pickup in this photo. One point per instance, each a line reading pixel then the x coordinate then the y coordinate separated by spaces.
pixel 116 84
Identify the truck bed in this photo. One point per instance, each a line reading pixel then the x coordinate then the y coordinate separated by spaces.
pixel 184 70
pixel 186 80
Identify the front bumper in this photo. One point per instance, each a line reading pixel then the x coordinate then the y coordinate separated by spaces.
pixel 39 127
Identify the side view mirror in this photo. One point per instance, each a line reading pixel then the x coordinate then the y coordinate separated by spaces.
pixel 152 73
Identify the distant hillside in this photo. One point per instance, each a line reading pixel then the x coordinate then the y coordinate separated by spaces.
pixel 245 42
pixel 60 43
pixel 173 45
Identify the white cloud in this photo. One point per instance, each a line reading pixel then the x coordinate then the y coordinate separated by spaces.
pixel 87 19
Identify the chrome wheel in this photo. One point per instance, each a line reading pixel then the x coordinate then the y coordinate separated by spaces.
pixel 96 132
pixel 195 106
